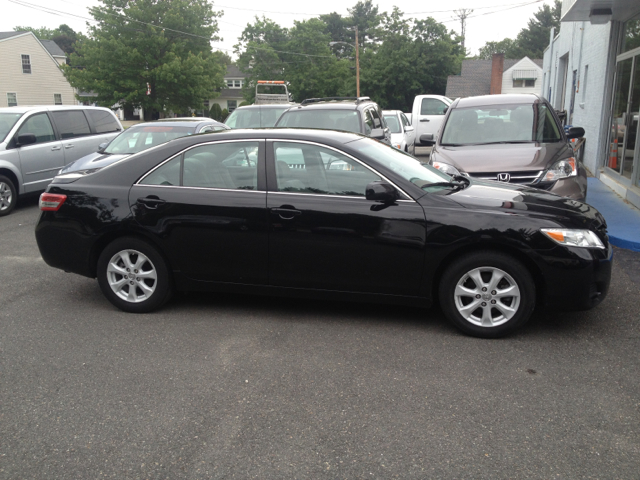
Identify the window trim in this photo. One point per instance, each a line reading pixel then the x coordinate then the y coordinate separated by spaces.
pixel 23 64
pixel 182 152
pixel 271 141
pixel 16 95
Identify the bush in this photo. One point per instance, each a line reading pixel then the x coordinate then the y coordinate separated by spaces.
pixel 215 112
pixel 224 115
pixel 244 104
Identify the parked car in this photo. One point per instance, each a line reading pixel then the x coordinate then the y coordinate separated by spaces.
pixel 142 136
pixel 427 114
pixel 349 114
pixel 36 142
pixel 256 116
pixel 403 136
pixel 226 212
pixel 511 139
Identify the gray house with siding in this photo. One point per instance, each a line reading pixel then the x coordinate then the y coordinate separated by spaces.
pixel 30 73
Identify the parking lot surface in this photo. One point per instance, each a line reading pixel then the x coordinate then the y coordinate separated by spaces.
pixel 224 386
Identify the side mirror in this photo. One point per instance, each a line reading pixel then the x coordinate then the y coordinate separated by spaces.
pixel 381 192
pixel 377 133
pixel 575 132
pixel 408 128
pixel 26 139
pixel 102 147
pixel 427 139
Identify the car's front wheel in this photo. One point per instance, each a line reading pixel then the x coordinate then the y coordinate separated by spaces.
pixel 133 275
pixel 487 294
pixel 8 196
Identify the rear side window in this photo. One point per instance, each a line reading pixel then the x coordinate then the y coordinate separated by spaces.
pixel 71 124
pixel 377 123
pixel 432 106
pixel 103 121
pixel 40 126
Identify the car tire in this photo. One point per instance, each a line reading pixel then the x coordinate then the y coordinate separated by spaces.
pixel 487 294
pixel 134 276
pixel 8 196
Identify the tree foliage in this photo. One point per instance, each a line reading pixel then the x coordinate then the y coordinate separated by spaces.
pixel 152 54
pixel 64 36
pixel 532 40
pixel 399 57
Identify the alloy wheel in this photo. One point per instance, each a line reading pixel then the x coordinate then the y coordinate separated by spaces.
pixel 132 276
pixel 6 196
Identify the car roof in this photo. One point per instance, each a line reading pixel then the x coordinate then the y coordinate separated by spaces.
pixel 506 99
pixel 180 122
pixel 308 134
pixel 267 105
pixel 331 105
pixel 51 108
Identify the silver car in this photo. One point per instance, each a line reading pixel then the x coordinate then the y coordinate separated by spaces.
pixel 36 142
pixel 403 135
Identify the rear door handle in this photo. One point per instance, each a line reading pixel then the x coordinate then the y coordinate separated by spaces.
pixel 285 213
pixel 70 145
pixel 152 202
pixel 425 120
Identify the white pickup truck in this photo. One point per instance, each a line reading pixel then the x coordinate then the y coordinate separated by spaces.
pixel 271 91
pixel 427 115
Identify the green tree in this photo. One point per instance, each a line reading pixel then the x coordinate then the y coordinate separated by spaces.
pixel 150 54
pixel 216 112
pixel 64 36
pixel 508 46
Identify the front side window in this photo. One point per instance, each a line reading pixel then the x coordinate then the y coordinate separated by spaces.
pixel 26 64
pixel 137 139
pixel 311 169
pixel 40 126
pixel 7 122
pixel 57 99
pixel 12 99
pixel 377 123
pixel 500 124
pixel 368 122
pixel 433 106
pixel 71 124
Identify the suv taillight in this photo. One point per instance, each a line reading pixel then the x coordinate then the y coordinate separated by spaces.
pixel 51 202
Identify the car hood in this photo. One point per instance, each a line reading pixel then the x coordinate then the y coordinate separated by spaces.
pixel 488 195
pixel 397 138
pixel 502 157
pixel 92 161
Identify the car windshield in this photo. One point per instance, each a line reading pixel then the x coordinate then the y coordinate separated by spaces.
pixel 261 117
pixel 401 163
pixel 393 123
pixel 7 121
pixel 137 139
pixel 347 120
pixel 501 124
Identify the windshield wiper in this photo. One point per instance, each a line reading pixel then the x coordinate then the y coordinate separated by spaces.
pixel 460 182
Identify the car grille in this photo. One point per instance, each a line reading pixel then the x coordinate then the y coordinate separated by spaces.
pixel 521 177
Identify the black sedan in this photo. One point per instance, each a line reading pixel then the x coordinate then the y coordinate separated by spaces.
pixel 322 214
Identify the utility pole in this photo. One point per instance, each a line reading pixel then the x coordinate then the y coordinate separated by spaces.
pixel 357 65
pixel 462 15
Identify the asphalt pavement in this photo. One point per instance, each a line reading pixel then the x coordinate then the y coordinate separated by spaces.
pixel 233 386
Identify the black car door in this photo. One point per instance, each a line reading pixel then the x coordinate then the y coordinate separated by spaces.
pixel 206 207
pixel 324 234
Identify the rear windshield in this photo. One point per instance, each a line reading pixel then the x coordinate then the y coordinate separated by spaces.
pixel 137 139
pixel 347 120
pixel 7 121
pixel 501 124
pixel 255 117
pixel 393 123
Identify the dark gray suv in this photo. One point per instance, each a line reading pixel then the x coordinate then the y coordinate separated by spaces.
pixel 350 114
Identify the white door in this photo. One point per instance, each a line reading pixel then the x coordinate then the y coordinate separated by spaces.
pixel 430 115
pixel 39 161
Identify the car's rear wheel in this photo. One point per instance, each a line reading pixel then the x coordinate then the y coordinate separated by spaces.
pixel 487 294
pixel 134 276
pixel 8 196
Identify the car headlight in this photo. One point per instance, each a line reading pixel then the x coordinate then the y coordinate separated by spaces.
pixel 573 238
pixel 445 168
pixel 561 169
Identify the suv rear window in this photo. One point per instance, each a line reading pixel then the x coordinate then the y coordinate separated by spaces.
pixel 103 121
pixel 347 120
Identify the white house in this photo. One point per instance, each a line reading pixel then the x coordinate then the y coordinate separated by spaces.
pixel 523 77
pixel 30 73
pixel 591 70
pixel 231 96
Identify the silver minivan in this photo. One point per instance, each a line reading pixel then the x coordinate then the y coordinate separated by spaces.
pixel 36 142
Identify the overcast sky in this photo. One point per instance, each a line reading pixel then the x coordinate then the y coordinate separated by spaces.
pixel 491 20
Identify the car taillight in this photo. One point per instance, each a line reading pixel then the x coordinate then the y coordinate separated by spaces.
pixel 51 202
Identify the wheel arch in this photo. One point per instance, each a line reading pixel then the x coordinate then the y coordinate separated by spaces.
pixel 529 264
pixel 11 175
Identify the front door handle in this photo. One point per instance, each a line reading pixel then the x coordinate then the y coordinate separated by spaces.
pixel 69 145
pixel 152 202
pixel 55 149
pixel 285 213
pixel 425 120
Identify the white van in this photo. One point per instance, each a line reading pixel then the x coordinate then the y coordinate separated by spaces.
pixel 36 142
pixel 427 115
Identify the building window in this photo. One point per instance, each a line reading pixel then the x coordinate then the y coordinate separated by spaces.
pixel 237 83
pixel 524 82
pixel 12 100
pixel 26 64
pixel 231 105
pixel 57 99
pixel 230 83
pixel 584 82
pixel 529 82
